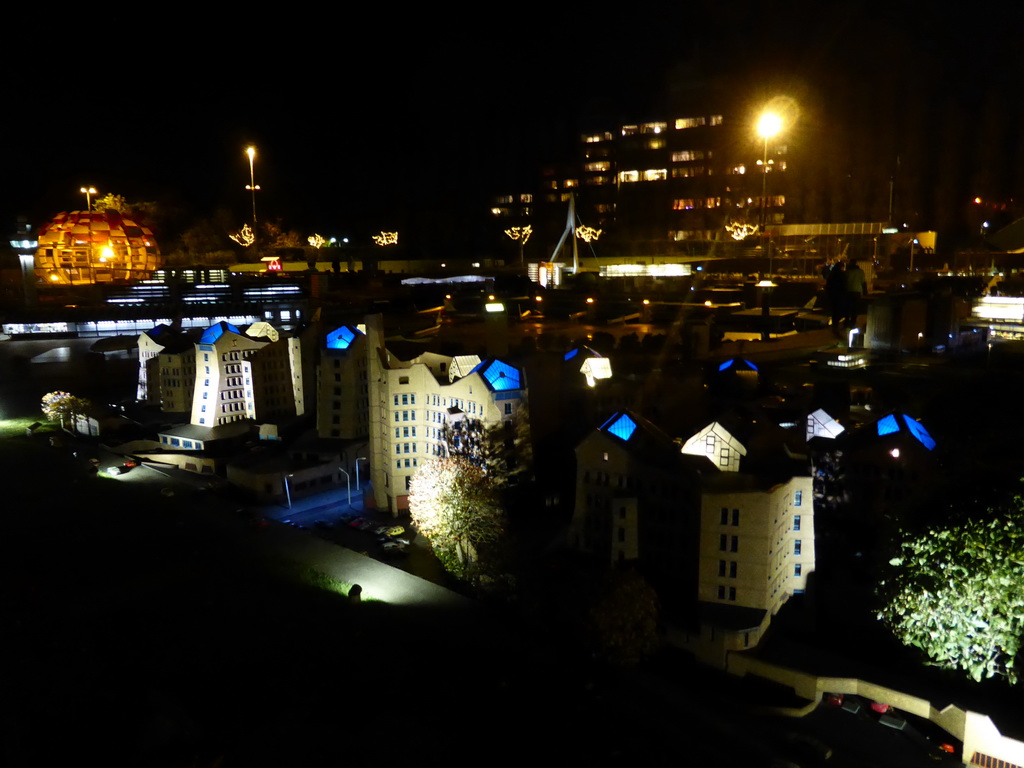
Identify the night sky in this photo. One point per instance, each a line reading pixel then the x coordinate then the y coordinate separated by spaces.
pixel 366 119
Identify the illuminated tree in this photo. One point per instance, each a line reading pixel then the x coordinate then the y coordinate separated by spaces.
pixel 503 452
pixel 453 504
pixel 63 407
pixel 956 593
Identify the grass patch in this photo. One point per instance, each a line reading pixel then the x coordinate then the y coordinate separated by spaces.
pixel 17 427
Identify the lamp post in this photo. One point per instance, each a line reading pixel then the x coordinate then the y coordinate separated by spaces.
pixel 768 125
pixel 252 186
pixel 88 192
pixel 348 481
pixel 359 487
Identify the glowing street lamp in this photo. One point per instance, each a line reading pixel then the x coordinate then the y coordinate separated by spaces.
pixel 252 186
pixel 768 126
pixel 88 192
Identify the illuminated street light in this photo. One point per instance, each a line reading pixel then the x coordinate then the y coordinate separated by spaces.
pixel 88 192
pixel 252 186
pixel 768 126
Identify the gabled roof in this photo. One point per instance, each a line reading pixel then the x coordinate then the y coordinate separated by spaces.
pixel 342 338
pixel 583 351
pixel 895 422
pixel 262 330
pixel 499 376
pixel 462 365
pixel 737 364
pixel 820 424
pixel 215 331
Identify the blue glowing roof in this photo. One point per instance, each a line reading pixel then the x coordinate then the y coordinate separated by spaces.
pixel 740 365
pixel 888 425
pixel 498 375
pixel 215 331
pixel 918 431
pixel 620 425
pixel 341 338
pixel 571 354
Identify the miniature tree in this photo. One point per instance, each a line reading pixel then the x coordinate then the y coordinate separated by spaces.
pixel 63 407
pixel 955 593
pixel 453 504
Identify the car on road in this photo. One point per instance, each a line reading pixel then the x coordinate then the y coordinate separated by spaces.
pixel 116 470
pixel 357 522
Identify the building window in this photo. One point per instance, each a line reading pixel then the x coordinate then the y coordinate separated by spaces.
pixel 735 545
pixel 687 156
pixel 798 500
pixel 735 517
pixel 689 122
pixel 508 409
pixel 797 546
pixel 725 516
pixel 721 567
pixel 732 569
pixel 732 593
pixel 622 534
pixel 796 522
pixel 798 569
pixel 721 593
pixel 723 542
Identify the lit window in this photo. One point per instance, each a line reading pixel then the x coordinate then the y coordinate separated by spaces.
pixel 683 204
pixel 655 174
pixel 569 183
pixel 629 130
pixel 598 165
pixel 627 177
pixel 595 138
pixel 797 546
pixel 596 181
pixel 796 522
pixel 715 120
pixel 687 155
pixel 797 569
pixel 655 143
pixel 688 172
pixel 688 122
pixel 798 500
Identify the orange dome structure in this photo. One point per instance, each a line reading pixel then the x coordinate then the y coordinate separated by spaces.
pixel 81 248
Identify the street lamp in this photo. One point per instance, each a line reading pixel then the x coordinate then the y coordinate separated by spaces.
pixel 252 186
pixel 768 125
pixel 359 487
pixel 88 192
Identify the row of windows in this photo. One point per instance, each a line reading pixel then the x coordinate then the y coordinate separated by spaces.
pixel 409 463
pixel 407 399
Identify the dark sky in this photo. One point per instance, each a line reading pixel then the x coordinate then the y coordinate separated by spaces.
pixel 363 117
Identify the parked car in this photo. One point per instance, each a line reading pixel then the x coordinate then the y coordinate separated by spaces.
pixel 115 470
pixel 357 522
pixel 395 530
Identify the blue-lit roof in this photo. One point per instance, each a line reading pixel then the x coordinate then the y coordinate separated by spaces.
pixel 498 375
pixel 620 425
pixel 890 424
pixel 571 354
pixel 215 331
pixel 341 338
pixel 741 364
pixel 887 425
pixel 918 431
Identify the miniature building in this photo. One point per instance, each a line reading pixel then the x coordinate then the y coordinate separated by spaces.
pixel 80 248
pixel 343 391
pixel 411 402
pixel 742 544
